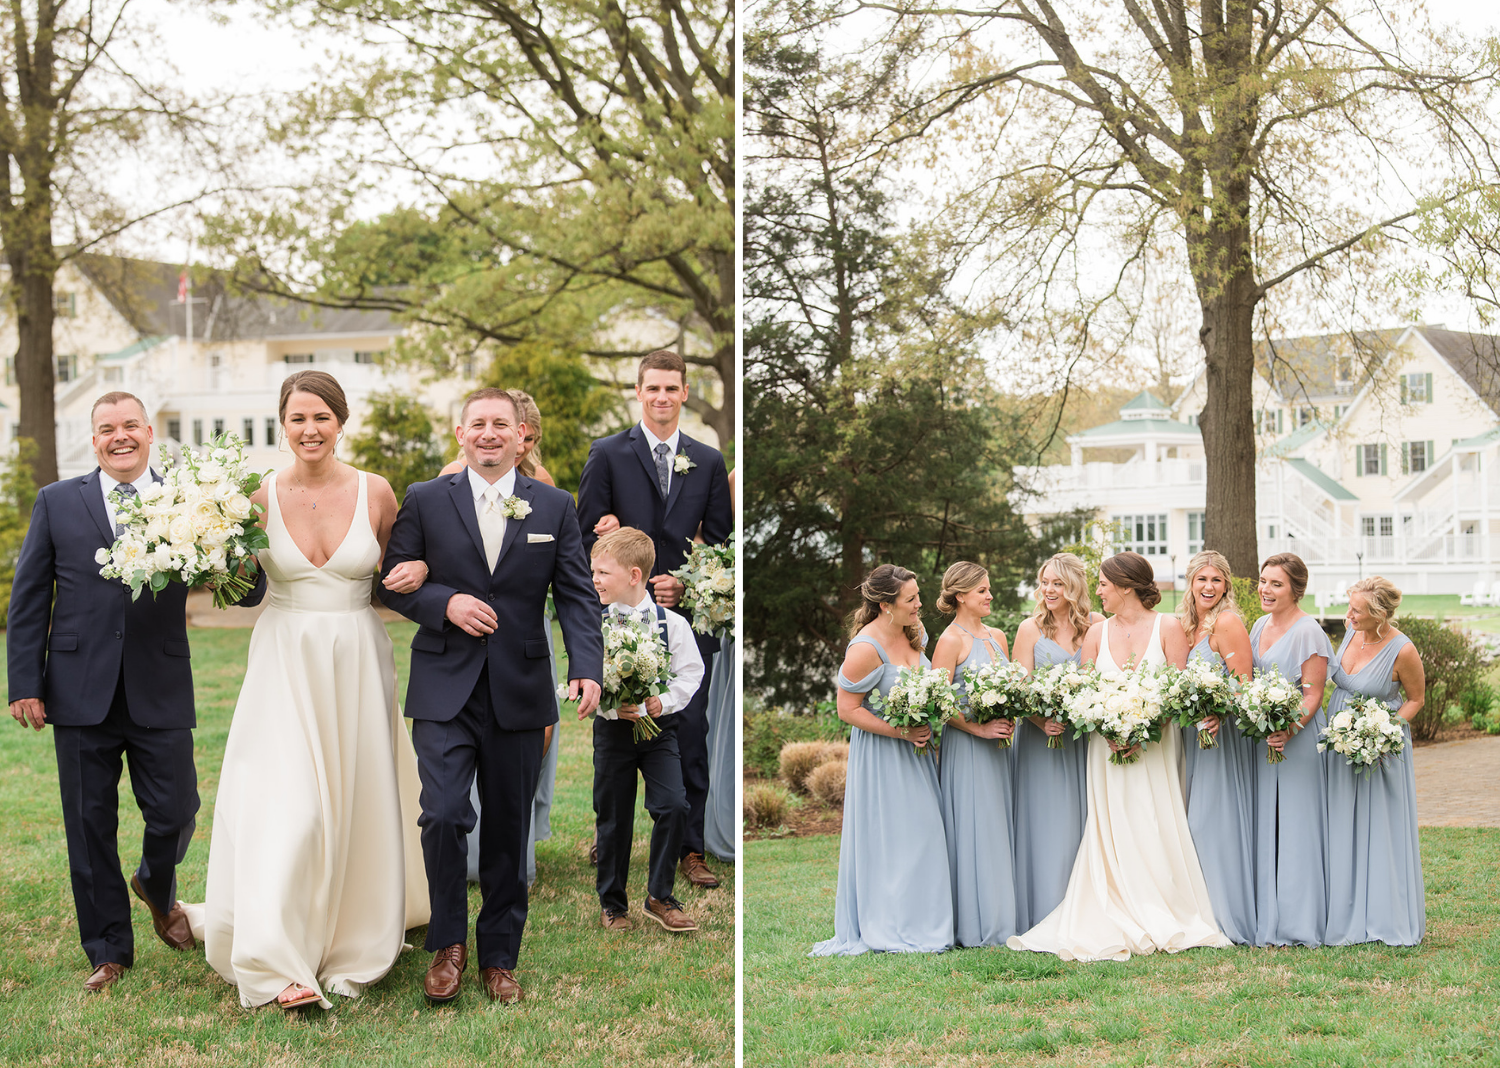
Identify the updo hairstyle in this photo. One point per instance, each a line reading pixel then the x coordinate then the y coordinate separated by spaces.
pixel 960 578
pixel 320 384
pixel 1296 571
pixel 882 586
pixel 1381 597
pixel 1132 571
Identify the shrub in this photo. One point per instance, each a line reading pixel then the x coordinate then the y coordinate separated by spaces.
pixel 826 782
pixel 1477 701
pixel 1452 662
pixel 797 761
pixel 835 751
pixel 767 730
pixel 17 493
pixel 766 805
pixel 1247 596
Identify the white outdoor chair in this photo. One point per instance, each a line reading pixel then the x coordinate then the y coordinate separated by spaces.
pixel 1489 599
pixel 1478 597
pixel 1340 593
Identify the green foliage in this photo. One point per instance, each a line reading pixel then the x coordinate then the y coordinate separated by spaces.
pixel 1476 701
pixel 1247 597
pixel 17 494
pixel 768 730
pixel 1452 662
pixel 576 407
pixel 397 441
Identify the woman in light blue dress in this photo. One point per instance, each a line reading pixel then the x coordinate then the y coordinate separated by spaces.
pixel 1291 816
pixel 721 824
pixel 974 772
pixel 1375 891
pixel 1050 785
pixel 894 894
pixel 1220 782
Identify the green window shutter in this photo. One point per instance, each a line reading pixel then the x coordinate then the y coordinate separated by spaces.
pixel 1359 460
pixel 1383 469
pixel 1429 387
pixel 1403 389
pixel 1431 455
pixel 1406 457
pixel 1278 420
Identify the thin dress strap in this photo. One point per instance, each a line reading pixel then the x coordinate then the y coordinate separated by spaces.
pixel 989 642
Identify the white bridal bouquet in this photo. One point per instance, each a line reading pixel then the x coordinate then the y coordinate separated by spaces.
pixel 1365 731
pixel 707 576
pixel 997 690
pixel 1196 692
pixel 1126 710
pixel 1053 687
pixel 636 666
pixel 921 697
pixel 197 526
pixel 1268 703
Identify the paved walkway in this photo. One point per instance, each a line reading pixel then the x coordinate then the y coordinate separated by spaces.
pixel 1458 783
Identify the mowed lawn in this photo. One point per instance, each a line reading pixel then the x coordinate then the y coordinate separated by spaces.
pixel 646 997
pixel 1437 1004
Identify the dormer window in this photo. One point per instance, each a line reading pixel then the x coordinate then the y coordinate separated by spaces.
pixel 1416 388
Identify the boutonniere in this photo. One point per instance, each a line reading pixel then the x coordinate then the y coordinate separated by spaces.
pixel 682 463
pixel 514 507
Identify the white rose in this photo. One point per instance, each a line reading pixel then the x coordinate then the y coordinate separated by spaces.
pixel 102 556
pixel 238 507
pixel 180 529
pixel 211 472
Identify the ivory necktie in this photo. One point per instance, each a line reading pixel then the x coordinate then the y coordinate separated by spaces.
pixel 491 525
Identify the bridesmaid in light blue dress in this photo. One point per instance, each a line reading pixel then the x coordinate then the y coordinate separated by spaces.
pixel 1221 781
pixel 975 772
pixel 894 894
pixel 1291 816
pixel 1375 891
pixel 1050 785
pixel 721 824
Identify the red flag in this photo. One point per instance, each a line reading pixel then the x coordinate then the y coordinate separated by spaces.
pixel 182 287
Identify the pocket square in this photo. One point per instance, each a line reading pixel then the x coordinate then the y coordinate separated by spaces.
pixel 532 539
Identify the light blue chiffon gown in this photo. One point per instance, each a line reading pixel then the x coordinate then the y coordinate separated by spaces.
pixel 894 893
pixel 721 824
pixel 1375 891
pixel 1291 816
pixel 1221 816
pixel 975 782
pixel 1050 806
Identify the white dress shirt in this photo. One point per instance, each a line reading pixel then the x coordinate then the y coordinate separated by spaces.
pixel 670 441
pixel 108 485
pixel 502 487
pixel 683 648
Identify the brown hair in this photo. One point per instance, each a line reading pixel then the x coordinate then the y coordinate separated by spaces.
pixel 1381 597
pixel 1132 571
pixel 531 415
pixel 1296 571
pixel 1075 580
pixel 320 384
pixel 117 397
pixel 628 547
pixel 882 586
pixel 1187 611
pixel 960 578
pixel 491 393
pixel 661 360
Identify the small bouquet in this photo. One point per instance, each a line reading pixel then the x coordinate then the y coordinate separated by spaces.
pixel 921 697
pixel 636 666
pixel 1268 703
pixel 999 689
pixel 1126 710
pixel 707 576
pixel 1051 689
pixel 1365 731
pixel 196 526
pixel 1196 692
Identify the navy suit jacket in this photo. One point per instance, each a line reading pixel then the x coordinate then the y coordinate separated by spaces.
pixel 619 478
pixel 70 630
pixel 438 524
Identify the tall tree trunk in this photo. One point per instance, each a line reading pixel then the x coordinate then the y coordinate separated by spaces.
pixel 1227 422
pixel 33 277
pixel 853 558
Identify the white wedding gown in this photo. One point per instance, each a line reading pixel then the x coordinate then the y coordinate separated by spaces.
pixel 1136 885
pixel 315 866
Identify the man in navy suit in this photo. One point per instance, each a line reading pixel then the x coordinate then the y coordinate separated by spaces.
pixel 114 679
pixel 481 693
pixel 655 478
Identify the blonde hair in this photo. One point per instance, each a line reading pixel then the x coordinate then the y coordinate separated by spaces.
pixel 1187 611
pixel 960 578
pixel 1381 597
pixel 628 547
pixel 883 586
pixel 1075 579
pixel 531 415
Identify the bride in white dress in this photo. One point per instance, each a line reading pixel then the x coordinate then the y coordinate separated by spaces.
pixel 1136 885
pixel 315 868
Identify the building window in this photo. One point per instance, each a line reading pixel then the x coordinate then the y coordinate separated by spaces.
pixel 270 431
pixel 249 431
pixel 197 431
pixel 467 367
pixel 1144 534
pixel 298 357
pixel 1195 532
pixel 1369 459
pixel 114 376
pixel 1306 415
pixel 174 429
pixel 1383 526
pixel 218 427
pixel 65 305
pixel 1416 457
pixel 1270 421
pixel 10 370
pixel 368 357
pixel 67 368
pixel 1416 388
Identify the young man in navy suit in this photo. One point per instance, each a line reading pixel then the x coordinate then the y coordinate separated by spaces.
pixel 481 691
pixel 655 478
pixel 113 678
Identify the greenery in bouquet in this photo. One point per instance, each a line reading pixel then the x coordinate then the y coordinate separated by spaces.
pixel 1365 731
pixel 1192 694
pixel 636 666
pixel 1053 686
pixel 1126 710
pixel 921 697
pixel 707 577
pixel 196 526
pixel 999 689
pixel 1268 703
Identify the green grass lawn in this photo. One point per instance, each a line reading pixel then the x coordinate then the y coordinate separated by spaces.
pixel 647 997
pixel 1436 1004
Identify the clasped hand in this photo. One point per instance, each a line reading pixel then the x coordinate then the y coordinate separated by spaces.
pixel 918 736
pixel 29 712
pixel 994 729
pixel 631 713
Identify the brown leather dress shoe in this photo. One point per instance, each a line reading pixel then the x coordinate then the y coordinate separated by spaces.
pixel 669 914
pixel 594 851
pixel 500 984
pixel 173 928
pixel 615 921
pixel 104 977
pixel 443 974
pixel 697 872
